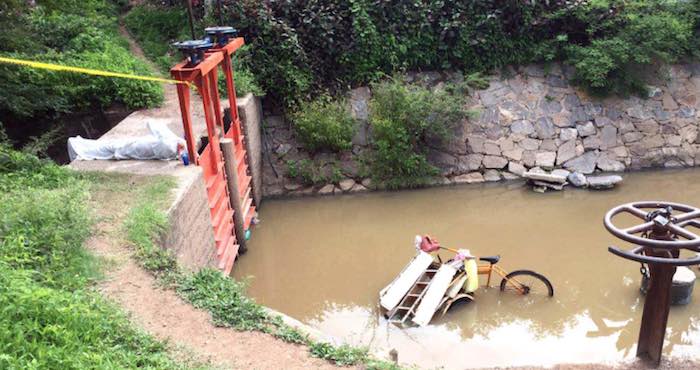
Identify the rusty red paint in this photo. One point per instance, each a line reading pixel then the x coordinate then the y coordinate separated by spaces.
pixel 204 77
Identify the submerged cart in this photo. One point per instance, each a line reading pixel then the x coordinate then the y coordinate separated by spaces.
pixel 427 285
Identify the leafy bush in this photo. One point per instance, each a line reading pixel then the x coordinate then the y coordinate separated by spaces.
pixel 156 28
pixel 310 172
pixel 324 124
pixel 649 33
pixel 19 171
pixel 43 230
pixel 302 47
pixel 405 119
pixel 243 79
pixel 81 34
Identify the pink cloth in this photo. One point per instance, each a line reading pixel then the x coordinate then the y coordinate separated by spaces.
pixel 428 244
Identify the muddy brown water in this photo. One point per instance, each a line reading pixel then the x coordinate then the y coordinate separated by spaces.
pixel 324 260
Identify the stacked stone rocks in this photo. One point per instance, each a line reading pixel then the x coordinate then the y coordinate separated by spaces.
pixel 282 148
pixel 532 118
pixel 535 119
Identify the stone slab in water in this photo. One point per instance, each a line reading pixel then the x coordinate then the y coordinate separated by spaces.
pixel 682 287
pixel 561 172
pixel 577 179
pixel 545 177
pixel 548 185
pixel 603 182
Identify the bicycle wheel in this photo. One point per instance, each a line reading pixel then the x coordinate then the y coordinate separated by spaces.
pixel 527 282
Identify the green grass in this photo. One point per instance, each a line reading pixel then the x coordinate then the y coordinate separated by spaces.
pixel 50 315
pixel 146 222
pixel 47 327
pixel 208 289
pixel 74 33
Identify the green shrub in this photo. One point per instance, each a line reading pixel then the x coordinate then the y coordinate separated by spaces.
pixel 324 124
pixel 82 35
pixel 395 161
pixel 43 221
pixel 613 63
pixel 156 28
pixel 43 230
pixel 310 172
pixel 405 119
pixel 301 47
pixel 243 79
pixel 20 171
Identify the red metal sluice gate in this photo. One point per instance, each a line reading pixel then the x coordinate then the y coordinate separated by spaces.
pixel 204 57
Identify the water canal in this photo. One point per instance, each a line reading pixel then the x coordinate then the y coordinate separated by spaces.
pixel 324 260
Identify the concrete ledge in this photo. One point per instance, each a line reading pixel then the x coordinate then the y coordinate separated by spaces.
pixel 190 235
pixel 250 113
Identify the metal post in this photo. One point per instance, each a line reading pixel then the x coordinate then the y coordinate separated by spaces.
pixel 221 13
pixel 191 18
pixel 231 168
pixel 216 101
pixel 231 91
pixel 663 234
pixel 657 303
pixel 183 94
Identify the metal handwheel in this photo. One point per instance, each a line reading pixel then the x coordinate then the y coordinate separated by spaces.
pixel 659 240
pixel 658 218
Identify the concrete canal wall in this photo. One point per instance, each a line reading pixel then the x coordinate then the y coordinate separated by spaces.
pixel 531 118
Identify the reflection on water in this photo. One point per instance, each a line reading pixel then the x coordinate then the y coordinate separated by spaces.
pixel 324 260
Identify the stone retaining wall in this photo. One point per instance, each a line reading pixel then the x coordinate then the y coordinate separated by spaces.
pixel 534 119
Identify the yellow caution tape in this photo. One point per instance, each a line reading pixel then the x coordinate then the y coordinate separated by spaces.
pixel 94 72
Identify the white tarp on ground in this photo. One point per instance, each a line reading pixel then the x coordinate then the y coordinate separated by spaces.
pixel 160 144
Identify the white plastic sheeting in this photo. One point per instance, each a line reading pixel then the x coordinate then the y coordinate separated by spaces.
pixel 392 294
pixel 160 144
pixel 432 298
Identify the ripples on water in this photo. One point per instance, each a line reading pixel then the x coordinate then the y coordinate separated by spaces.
pixel 324 260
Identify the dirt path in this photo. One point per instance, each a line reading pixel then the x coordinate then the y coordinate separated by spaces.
pixel 163 314
pixel 170 102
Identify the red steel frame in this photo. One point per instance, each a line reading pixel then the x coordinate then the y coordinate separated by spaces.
pixel 235 132
pixel 204 78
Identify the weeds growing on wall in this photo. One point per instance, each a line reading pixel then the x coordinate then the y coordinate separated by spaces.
pixel 407 119
pixel 50 315
pixel 324 124
pixel 310 172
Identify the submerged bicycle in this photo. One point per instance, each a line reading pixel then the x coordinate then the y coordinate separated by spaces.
pixel 428 285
